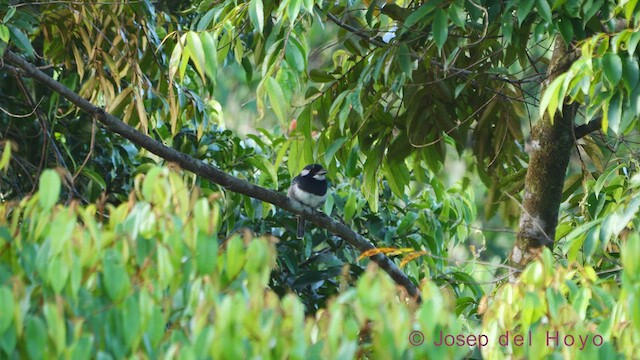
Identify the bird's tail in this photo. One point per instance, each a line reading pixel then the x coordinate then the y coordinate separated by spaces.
pixel 300 227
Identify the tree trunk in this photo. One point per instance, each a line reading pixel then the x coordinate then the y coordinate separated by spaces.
pixel 552 143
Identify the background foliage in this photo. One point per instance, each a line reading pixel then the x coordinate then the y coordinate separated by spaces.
pixel 420 112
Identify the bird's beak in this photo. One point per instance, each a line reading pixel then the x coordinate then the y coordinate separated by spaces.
pixel 322 172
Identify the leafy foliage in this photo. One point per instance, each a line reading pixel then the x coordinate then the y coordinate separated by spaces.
pixel 407 92
pixel 151 279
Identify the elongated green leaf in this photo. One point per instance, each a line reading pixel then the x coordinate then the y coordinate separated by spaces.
pixel 524 8
pixel 293 9
pixel 36 332
pixel 7 305
pixel 116 281
pixel 49 188
pixel 196 52
pixel 95 177
pixel 370 185
pixel 350 207
pixel 256 14
pixel 176 55
pixel 612 65
pixel 6 157
pixel 544 9
pixel 10 12
pixel 333 148
pixel 206 253
pixel 295 57
pixel 552 96
pixel 20 39
pixel 440 28
pixel 630 9
pixel 566 30
pixel 276 98
pixel 630 72
pixel 406 223
pixel 615 113
pixel 422 11
pixel 5 35
pixel 265 166
pixel 404 59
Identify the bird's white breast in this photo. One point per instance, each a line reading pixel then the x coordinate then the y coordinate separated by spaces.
pixel 308 199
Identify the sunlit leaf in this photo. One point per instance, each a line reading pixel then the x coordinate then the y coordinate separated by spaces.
pixel 49 188
pixel 256 14
pixel 196 52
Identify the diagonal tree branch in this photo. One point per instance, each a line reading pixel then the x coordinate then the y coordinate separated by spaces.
pixel 216 175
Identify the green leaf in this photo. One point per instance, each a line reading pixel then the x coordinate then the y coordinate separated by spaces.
pixel 370 184
pixel 256 14
pixel 524 8
pixel 55 326
pixel 174 60
pixel 6 156
pixel 36 333
pixel 165 267
pixel 8 340
pixel 206 253
pixel 265 166
pixel 7 305
pixel 131 331
pixel 566 29
pixel 49 188
pixel 633 43
pixel 196 52
pixel 210 55
pixel 333 148
pixel 397 175
pixel 354 102
pixel 457 15
pixel 5 35
pixel 235 257
pixel 295 56
pixel 20 39
pixel 276 98
pixel 57 273
pixel 95 177
pixel 350 207
pixel 544 9
pixel 293 9
pixel 115 278
pixel 422 11
pixel 615 113
pixel 629 10
pixel 581 302
pixel 407 222
pixel 202 215
pixel 440 28
pixel 591 242
pixel 320 76
pixel 10 12
pixel 551 96
pixel 404 59
pixel 612 65
pixel 630 72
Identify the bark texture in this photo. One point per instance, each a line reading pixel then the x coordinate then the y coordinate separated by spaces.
pixel 552 143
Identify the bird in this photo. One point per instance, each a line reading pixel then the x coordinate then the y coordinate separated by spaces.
pixel 310 189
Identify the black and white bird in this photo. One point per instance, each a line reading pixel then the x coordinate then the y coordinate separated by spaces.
pixel 310 189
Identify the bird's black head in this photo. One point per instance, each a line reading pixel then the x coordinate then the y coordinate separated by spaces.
pixel 315 171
